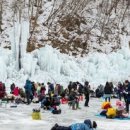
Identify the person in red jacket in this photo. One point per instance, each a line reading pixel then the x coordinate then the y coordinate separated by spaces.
pixel 16 91
pixel 2 90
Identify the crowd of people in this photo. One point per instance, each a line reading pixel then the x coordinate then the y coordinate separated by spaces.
pixel 51 95
pixel 120 91
pixel 46 95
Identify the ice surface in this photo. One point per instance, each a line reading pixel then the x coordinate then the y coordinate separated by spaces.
pixel 20 118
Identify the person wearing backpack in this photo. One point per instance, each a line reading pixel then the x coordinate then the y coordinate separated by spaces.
pixel 107 92
pixel 28 91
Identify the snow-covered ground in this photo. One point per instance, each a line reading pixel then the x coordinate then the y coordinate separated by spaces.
pixel 20 118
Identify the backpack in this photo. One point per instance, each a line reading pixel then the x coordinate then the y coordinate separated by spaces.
pixel 56 111
pixel 80 126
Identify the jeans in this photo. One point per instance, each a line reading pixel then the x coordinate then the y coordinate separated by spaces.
pixel 107 97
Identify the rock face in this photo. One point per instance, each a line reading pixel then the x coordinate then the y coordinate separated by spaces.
pixel 72 26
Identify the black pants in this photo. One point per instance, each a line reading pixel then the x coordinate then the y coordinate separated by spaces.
pixel 127 106
pixel 86 100
pixel 60 128
pixel 125 97
pixel 119 96
pixel 29 97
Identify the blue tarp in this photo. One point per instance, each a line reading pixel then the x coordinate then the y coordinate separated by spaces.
pixel 127 118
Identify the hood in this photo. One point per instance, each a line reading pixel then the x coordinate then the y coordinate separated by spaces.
pixel 88 123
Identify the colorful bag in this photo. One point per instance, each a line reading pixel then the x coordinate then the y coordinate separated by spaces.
pixel 120 105
pixel 36 115
pixel 56 111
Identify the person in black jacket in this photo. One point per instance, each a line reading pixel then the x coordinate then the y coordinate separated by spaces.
pixel 80 88
pixel 46 103
pixel 127 95
pixel 70 86
pixel 86 93
pixel 107 92
pixel 12 87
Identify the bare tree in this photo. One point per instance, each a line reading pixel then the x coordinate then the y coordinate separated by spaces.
pixel 1 13
pixel 34 9
pixel 104 21
pixel 84 17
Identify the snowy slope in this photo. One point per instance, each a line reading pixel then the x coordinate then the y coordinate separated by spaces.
pixel 71 30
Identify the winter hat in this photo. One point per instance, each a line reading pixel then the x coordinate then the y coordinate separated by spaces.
pixel 88 123
pixel 118 102
pixel 106 105
pixel 94 124
pixel 120 108
pixel 126 81
pixel 120 105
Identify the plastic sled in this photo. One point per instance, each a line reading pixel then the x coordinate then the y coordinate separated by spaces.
pixel 13 106
pixel 64 101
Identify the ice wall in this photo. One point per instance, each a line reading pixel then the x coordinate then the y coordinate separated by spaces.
pixel 48 64
pixel 96 67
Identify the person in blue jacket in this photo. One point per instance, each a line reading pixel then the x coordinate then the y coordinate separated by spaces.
pixel 86 125
pixel 50 88
pixel 28 91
